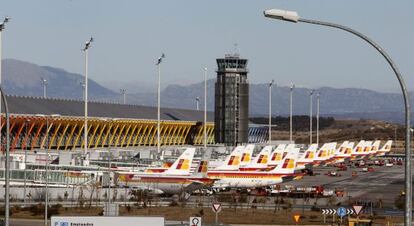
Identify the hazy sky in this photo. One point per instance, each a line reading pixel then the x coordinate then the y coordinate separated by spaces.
pixel 130 35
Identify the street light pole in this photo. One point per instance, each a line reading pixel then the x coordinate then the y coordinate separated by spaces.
pixel 294 17
pixel 82 84
pixel 123 93
pixel 158 105
pixel 25 163
pixel 109 177
pixel 47 171
pixel 205 109
pixel 317 117
pixel 2 27
pixel 292 86
pixel 7 161
pixel 197 99
pixel 44 84
pixel 310 117
pixel 270 111
pixel 85 127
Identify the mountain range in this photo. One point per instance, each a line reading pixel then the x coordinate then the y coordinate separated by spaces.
pixel 24 79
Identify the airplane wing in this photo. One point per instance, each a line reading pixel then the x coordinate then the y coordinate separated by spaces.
pixel 194 185
pixel 146 188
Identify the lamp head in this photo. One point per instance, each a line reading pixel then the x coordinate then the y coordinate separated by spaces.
pixel 88 44
pixel 160 59
pixel 282 15
pixel 6 20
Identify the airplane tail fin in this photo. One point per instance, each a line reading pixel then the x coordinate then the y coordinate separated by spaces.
pixel 288 164
pixel 310 152
pixel 367 147
pixel 375 146
pixel 183 164
pixel 246 156
pixel 232 161
pixel 349 148
pixel 263 156
pixel 342 148
pixel 203 164
pixel 332 149
pixel 387 147
pixel 280 147
pixel 359 147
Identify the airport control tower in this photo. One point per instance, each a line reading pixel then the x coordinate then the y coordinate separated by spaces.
pixel 231 101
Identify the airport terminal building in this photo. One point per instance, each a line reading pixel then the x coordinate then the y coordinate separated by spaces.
pixel 40 123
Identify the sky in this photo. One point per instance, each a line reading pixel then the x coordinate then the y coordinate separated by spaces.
pixel 130 35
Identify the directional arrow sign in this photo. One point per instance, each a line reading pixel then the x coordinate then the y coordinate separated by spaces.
pixel 296 217
pixel 350 211
pixel 357 209
pixel 216 207
pixel 329 211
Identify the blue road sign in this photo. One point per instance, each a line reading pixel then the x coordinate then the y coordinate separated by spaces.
pixel 341 211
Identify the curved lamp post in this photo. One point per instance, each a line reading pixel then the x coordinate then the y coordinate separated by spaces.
pixel 7 161
pixel 292 16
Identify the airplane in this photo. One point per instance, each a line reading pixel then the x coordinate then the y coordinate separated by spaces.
pixel 260 161
pixel 321 155
pixel 385 149
pixel 249 179
pixel 344 152
pixel 247 155
pixel 374 148
pixel 363 150
pixel 357 152
pixel 175 180
pixel 325 154
pixel 367 149
pixel 232 162
pixel 307 158
pixel 276 156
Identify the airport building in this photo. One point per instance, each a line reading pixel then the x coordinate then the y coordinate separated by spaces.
pixel 58 124
pixel 231 101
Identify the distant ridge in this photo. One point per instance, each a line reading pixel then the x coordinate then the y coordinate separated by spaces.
pixel 23 79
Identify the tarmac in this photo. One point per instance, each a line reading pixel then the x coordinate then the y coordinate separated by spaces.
pixel 384 183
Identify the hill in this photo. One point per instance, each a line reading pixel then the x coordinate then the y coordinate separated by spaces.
pixel 23 78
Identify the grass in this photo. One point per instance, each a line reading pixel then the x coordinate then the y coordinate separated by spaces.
pixel 228 215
